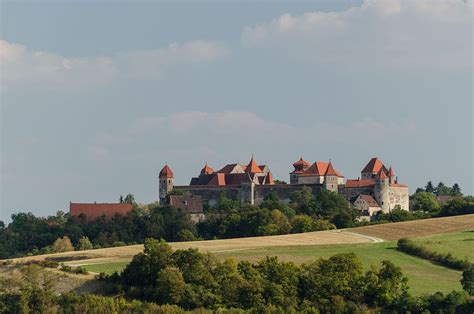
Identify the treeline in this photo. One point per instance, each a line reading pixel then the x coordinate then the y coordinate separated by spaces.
pixel 447 260
pixel 28 234
pixel 441 189
pixel 191 279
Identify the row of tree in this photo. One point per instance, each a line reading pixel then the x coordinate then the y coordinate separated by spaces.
pixel 441 189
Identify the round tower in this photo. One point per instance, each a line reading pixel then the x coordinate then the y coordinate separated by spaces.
pixel 382 191
pixel 166 183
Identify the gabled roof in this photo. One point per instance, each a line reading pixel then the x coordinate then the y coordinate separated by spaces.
pixel 381 174
pixel 231 168
pixel 369 200
pixel 252 167
pixel 166 172
pixel 360 183
pixel 207 170
pixel 269 178
pixel 95 210
pixel 217 179
pixel 319 167
pixel 373 166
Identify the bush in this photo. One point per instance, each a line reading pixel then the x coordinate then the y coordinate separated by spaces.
pixel 84 244
pixel 62 245
pixel 447 260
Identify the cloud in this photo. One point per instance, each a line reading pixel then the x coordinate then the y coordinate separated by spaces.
pixel 230 134
pixel 23 69
pixel 389 33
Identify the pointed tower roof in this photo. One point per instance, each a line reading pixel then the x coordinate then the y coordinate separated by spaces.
pixel 166 172
pixel 390 172
pixel 207 170
pixel 381 174
pixel 373 166
pixel 331 171
pixel 301 163
pixel 252 167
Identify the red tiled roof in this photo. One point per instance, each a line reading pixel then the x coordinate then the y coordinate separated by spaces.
pixel 330 171
pixel 217 179
pixel 191 204
pixel 94 211
pixel 269 179
pixel 370 200
pixel 207 170
pixel 373 166
pixel 396 185
pixel 228 168
pixel 360 183
pixel 390 172
pixel 319 167
pixel 252 167
pixel 381 174
pixel 166 172
pixel 301 163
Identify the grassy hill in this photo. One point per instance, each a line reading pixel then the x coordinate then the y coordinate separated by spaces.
pixel 448 234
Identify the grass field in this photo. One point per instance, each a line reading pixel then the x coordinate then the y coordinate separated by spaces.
pixel 424 277
pixel 460 245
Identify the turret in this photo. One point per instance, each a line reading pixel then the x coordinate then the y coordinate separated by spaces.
pixel 330 179
pixel 166 183
pixel 391 176
pixel 382 190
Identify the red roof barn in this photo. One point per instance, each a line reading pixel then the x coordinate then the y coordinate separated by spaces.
pixel 94 210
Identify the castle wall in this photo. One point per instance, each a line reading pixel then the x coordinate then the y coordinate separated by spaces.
pixel 399 196
pixel 211 193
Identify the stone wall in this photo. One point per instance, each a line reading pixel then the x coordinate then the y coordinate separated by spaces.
pixel 211 193
pixel 399 196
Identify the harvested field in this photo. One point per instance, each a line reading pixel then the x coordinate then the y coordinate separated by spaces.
pixel 127 252
pixel 418 228
pixel 367 234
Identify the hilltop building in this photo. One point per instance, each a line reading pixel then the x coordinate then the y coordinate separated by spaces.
pixel 92 211
pixel 377 189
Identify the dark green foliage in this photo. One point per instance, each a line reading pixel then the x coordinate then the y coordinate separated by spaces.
pixel 447 260
pixel 467 280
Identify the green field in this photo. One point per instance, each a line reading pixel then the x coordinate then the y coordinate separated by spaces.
pixel 424 277
pixel 460 245
pixel 107 268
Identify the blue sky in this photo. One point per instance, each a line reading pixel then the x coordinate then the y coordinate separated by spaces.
pixel 97 96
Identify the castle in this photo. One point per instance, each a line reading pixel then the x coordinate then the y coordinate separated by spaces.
pixel 376 190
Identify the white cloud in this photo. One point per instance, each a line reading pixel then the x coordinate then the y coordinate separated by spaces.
pixel 25 69
pixel 379 32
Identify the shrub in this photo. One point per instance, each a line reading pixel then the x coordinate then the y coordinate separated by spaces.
pixel 84 244
pixel 62 245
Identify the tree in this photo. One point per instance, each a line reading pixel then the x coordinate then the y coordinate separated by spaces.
pixel 170 286
pixel 429 187
pixel 130 199
pixel 425 201
pixel 456 190
pixel 62 245
pixel 385 284
pixel 442 189
pixel 301 223
pixel 84 244
pixel 467 280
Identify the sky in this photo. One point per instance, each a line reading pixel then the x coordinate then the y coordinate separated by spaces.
pixel 96 96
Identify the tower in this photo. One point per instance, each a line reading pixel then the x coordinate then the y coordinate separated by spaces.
pixel 166 183
pixel 382 191
pixel 330 179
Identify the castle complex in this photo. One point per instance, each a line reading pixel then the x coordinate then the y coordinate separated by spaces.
pixel 376 190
